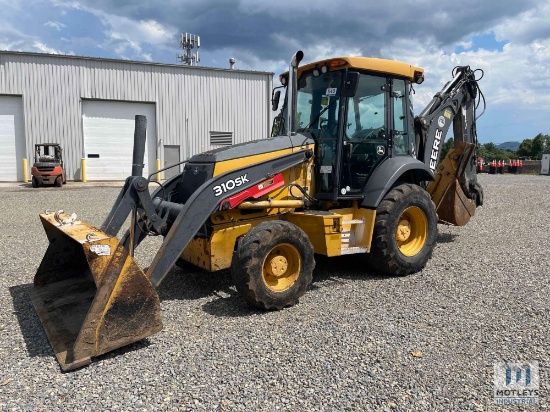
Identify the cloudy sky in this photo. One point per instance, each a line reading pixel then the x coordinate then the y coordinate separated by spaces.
pixel 508 39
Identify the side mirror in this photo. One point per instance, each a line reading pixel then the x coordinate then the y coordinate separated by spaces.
pixel 350 84
pixel 275 100
pixel 278 127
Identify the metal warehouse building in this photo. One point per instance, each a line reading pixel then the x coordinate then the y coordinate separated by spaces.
pixel 88 105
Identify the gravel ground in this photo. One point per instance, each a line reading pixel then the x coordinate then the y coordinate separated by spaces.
pixel 355 341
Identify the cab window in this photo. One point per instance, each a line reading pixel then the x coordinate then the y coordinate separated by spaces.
pixel 367 110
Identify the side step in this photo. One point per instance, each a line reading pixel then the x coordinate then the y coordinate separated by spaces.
pixel 346 239
pixel 353 250
pixel 353 222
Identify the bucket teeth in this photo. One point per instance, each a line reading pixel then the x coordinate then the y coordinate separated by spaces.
pixel 90 295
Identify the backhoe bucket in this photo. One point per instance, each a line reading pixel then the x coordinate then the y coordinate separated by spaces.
pixel 452 204
pixel 89 293
pixel 455 207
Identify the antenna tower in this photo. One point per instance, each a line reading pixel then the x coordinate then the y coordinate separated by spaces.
pixel 188 42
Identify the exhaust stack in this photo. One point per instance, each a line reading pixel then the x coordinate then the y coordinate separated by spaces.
pixel 292 89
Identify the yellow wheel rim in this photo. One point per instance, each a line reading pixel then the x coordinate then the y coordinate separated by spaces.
pixel 281 267
pixel 412 231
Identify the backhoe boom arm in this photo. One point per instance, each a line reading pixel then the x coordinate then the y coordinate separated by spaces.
pixel 454 103
pixel 455 190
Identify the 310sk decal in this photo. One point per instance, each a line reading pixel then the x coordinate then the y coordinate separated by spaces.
pixel 230 185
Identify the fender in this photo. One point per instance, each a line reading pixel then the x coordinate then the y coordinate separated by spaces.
pixel 389 171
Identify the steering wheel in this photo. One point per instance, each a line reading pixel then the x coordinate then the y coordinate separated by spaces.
pixel 328 131
pixel 368 133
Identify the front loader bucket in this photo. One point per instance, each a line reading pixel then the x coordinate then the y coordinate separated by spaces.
pixel 90 294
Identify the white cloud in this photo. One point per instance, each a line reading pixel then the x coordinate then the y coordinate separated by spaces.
pixel 14 39
pixel 526 27
pixel 518 77
pixel 41 47
pixel 142 31
pixel 55 25
pixel 13 4
pixel 466 45
pixel 125 36
pixel 11 45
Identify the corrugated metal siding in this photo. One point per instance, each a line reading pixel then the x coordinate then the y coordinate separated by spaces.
pixel 190 101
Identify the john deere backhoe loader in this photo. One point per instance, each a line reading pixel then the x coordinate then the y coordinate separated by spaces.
pixel 348 170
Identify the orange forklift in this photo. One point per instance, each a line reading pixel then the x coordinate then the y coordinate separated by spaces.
pixel 48 165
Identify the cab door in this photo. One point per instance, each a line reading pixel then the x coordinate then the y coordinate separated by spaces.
pixel 365 140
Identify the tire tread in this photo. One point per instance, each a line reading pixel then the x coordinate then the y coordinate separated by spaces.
pixel 246 261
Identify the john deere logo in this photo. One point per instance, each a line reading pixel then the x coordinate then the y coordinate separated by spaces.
pixel 380 150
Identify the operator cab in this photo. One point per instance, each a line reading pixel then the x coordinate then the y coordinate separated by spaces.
pixel 359 113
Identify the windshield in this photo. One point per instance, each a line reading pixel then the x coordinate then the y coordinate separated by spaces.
pixel 317 103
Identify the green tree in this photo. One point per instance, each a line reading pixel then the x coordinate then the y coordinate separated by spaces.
pixel 489 151
pixel 525 148
pixel 448 145
pixel 537 146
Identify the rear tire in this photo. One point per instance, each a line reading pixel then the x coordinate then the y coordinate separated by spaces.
pixel 58 181
pixel 405 231
pixel 273 265
pixel 35 182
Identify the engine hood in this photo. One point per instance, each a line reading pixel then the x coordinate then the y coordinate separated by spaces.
pixel 254 147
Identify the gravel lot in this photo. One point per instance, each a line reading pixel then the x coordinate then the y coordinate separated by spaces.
pixel 355 341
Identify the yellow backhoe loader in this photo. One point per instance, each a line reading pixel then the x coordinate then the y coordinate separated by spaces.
pixel 347 170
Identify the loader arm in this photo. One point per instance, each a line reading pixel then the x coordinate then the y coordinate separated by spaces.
pixel 158 213
pixel 205 201
pixel 455 190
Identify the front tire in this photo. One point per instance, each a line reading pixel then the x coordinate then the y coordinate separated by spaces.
pixel 405 231
pixel 58 181
pixel 273 265
pixel 35 183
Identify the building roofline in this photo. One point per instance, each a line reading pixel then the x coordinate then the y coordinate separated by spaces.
pixel 105 59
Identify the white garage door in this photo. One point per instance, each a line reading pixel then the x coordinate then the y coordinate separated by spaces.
pixel 109 138
pixel 12 140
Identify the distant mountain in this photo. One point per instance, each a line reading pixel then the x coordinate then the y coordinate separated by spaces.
pixel 513 146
